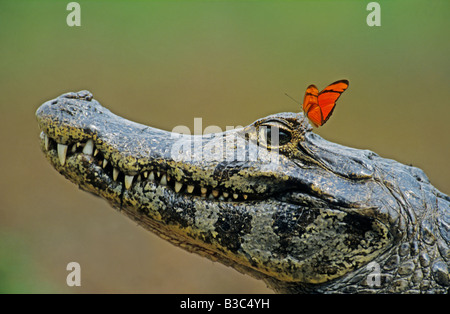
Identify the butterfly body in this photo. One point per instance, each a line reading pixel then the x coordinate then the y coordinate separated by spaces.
pixel 318 107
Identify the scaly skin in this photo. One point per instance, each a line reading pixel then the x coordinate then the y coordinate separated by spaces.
pixel 306 215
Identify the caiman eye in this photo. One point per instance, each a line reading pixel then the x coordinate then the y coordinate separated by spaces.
pixel 274 136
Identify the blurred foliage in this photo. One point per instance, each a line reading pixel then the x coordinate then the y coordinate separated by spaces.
pixel 18 273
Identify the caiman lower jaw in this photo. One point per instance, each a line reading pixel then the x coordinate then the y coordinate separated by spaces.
pixel 103 176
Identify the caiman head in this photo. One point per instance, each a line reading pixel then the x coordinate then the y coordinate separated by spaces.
pixel 272 200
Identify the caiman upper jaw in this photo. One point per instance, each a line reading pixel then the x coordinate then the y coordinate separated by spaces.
pixel 64 155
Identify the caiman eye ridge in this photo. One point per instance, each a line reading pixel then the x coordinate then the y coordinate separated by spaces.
pixel 156 176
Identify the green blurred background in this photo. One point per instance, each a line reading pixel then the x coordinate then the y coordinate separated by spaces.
pixel 163 63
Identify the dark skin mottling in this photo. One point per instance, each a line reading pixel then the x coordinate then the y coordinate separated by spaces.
pixel 303 214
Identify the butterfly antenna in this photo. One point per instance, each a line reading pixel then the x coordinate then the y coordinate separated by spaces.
pixel 293 99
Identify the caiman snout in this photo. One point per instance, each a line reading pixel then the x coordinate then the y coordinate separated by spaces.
pixel 232 166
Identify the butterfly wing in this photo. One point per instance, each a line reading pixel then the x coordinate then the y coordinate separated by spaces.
pixel 328 97
pixel 311 105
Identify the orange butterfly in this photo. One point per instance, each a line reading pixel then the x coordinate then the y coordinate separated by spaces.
pixel 318 107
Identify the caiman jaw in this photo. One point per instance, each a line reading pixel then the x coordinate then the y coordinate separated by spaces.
pixel 69 154
pixel 119 155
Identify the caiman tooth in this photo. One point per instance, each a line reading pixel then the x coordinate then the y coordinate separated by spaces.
pixel 105 163
pixel 225 194
pixel 115 173
pixel 203 191
pixel 95 152
pixel 128 181
pixel 145 174
pixel 168 178
pixel 88 148
pixel 178 186
pixel 62 151
pixel 74 148
pixel 45 141
pixel 163 180
pixel 190 188
pixel 215 193
pixel 151 177
pixel 158 174
pixel 245 196
pixel 235 196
